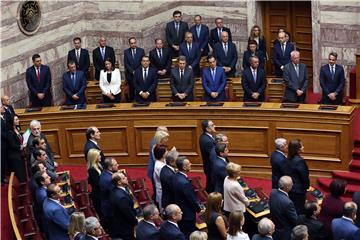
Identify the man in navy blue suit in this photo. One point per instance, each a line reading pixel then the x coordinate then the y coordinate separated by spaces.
pixel 146 229
pixel 160 59
pixel 74 85
pixel 215 34
pixel 56 217
pixel 281 54
pixel 80 56
pixel 252 51
pixel 170 228
pixel 175 33
pixel 100 54
pixel 92 137
pixel 344 227
pixel 214 82
pixel 38 80
pixel 184 196
pixel 254 82
pixel 218 168
pixel 278 161
pixel 145 82
pixel 201 35
pixel 122 206
pixel 191 51
pixel 132 61
pixel 167 174
pixel 42 180
pixel 226 54
pixel 332 81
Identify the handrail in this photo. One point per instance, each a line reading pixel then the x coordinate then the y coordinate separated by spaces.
pixel 11 208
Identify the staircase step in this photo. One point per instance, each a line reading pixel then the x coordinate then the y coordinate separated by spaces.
pixel 356 153
pixel 354 166
pixel 324 184
pixel 350 177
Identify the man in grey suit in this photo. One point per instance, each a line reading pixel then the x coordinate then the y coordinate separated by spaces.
pixel 182 82
pixel 296 79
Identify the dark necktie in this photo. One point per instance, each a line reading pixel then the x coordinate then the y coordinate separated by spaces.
pixel 332 72
pixel 160 55
pixel 73 79
pixel 133 53
pixel 38 73
pixel 77 55
pixel 103 53
pixel 181 75
pixel 189 48
pixel 283 48
pixel 254 75
pixel 177 29
pixel 225 49
pixel 145 74
pixel 297 69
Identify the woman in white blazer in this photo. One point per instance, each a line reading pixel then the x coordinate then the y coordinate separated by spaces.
pixel 110 82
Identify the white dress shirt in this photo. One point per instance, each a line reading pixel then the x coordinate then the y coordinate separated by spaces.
pixel 114 85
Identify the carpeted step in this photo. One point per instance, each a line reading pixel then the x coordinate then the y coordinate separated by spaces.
pixel 356 153
pixel 350 177
pixel 354 166
pixel 324 184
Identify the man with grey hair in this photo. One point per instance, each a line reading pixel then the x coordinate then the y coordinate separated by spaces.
pixel 166 178
pixel 170 229
pixel 146 229
pixel 344 227
pixel 296 79
pixel 266 229
pixel 282 209
pixel 191 50
pixel 93 229
pixel 278 160
pixel 300 232
pixel 182 81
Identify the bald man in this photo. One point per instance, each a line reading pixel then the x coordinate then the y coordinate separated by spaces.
pixel 100 54
pixel 9 110
pixel 226 55
pixel 281 53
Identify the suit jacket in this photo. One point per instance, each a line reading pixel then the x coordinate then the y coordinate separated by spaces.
pixel 330 85
pixel 283 214
pixel 203 39
pixel 161 63
pixel 166 179
pixel 132 63
pixel 114 85
pixel 84 60
pixel 35 86
pixel 281 59
pixel 298 170
pixel 172 38
pixel 124 218
pixel 184 197
pixel 78 88
pixel 15 160
pixel 90 145
pixel 192 57
pixel 228 60
pixel 356 199
pixel 9 113
pixel 210 85
pixel 170 231
pixel 31 149
pixel 259 237
pixel 214 36
pixel 293 82
pixel 186 85
pixel 98 60
pixel 147 231
pixel 259 54
pixel 250 86
pixel 218 174
pixel 94 181
pixel 277 160
pixel 149 85
pixel 206 143
pixel 106 187
pixel 57 220
pixel 343 229
pixel 315 227
pixel 261 44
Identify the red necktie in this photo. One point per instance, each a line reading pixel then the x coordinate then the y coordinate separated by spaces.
pixel 38 73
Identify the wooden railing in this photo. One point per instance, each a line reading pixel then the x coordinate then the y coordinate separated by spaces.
pixel 11 208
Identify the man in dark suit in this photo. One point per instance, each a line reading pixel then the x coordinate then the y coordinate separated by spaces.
pixel 191 51
pixel 214 82
pixel 146 229
pixel 252 51
pixel 9 110
pixel 4 145
pixel 296 79
pixel 278 161
pixel 92 138
pixel 226 55
pixel 281 54
pixel 42 180
pixel 41 156
pixel 332 81
pixel 344 227
pixel 170 228
pixel 74 85
pixel 215 34
pixel 93 229
pixel 218 167
pixel 282 209
pixel 219 138
pixel 57 219
pixel 122 205
pixel 309 219
pixel 80 56
pixel 207 143
pixel 100 54
pixel 160 59
pixel 38 80
pixel 175 32
pixel 167 174
pixel 182 81
pixel 254 82
pixel 266 229
pixel 201 35
pixel 184 196
pixel 356 199
pixel 145 82
pixel 132 61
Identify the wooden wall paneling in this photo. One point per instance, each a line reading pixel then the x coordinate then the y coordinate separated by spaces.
pixel 52 136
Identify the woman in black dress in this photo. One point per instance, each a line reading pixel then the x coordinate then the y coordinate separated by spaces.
pixel 214 219
pixel 94 171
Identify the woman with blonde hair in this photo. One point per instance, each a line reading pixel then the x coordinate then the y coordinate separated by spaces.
pixel 77 226
pixel 236 221
pixel 255 34
pixel 94 170
pixel 198 235
pixel 213 217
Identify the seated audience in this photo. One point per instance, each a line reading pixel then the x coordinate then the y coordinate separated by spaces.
pixel 234 196
pixel 215 33
pixel 214 81
pixel 198 235
pixel 218 167
pixel 278 160
pixel 253 51
pixel 182 81
pixel 167 174
pixel 170 229
pixel 214 219
pixel 74 85
pixel 146 229
pixel 160 59
pixel 226 55
pixel 92 138
pixel 160 152
pixel 191 51
pixel 100 54
pixel 299 232
pixel 94 170
pixel 236 221
pixel 93 229
pixel 255 35
pixel 110 82
pixel 77 226
pixel 266 229
pixel 344 227
pixel 80 56
pixel 201 35
pixel 41 156
pixel 309 218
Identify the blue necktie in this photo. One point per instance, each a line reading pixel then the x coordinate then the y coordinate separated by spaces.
pixel 73 79
pixel 103 53
pixel 332 73
pixel 213 73
pixel 254 76
pixel 198 31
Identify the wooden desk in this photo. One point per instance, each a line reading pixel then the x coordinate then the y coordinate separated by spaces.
pixel 126 132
